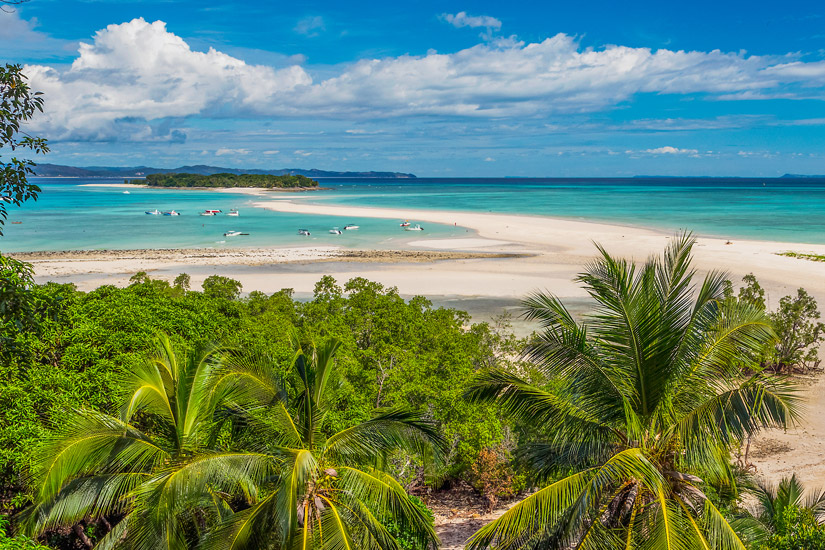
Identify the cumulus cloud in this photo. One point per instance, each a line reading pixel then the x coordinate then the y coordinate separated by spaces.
pixel 138 72
pixel 461 19
pixel 668 150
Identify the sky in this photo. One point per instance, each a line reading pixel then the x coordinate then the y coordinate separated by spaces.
pixel 438 89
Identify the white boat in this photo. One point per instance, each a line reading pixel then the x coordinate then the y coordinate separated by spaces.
pixel 233 212
pixel 304 232
pixel 335 231
pixel 154 212
pixel 234 234
pixel 350 227
pixel 405 223
pixel 415 227
pixel 126 193
pixel 171 213
pixel 210 212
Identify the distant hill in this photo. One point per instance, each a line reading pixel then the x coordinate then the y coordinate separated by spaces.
pixel 801 176
pixel 57 170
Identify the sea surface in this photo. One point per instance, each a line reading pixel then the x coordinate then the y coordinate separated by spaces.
pixel 71 216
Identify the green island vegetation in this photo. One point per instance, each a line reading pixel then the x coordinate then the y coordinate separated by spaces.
pixel 264 181
pixel 803 256
pixel 156 416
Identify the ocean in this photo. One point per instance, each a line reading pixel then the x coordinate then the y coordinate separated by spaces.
pixel 70 216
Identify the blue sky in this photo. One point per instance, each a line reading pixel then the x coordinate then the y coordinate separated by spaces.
pixel 434 88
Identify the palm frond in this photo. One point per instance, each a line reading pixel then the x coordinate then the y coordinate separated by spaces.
pixel 383 495
pixel 91 443
pixel 389 430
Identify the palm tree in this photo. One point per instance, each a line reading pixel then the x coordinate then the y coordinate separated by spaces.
pixel 102 466
pixel 329 491
pixel 773 500
pixel 642 397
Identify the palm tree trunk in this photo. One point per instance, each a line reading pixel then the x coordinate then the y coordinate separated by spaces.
pixel 81 534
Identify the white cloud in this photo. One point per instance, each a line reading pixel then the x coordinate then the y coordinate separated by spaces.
pixel 271 152
pixel 223 151
pixel 489 159
pixel 137 72
pixel 461 19
pixel 310 26
pixel 19 37
pixel 668 150
pixel 302 153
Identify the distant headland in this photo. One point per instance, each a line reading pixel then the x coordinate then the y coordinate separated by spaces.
pixel 56 171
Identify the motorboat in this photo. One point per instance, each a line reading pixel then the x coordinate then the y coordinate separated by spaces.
pixel 405 223
pixel 210 212
pixel 126 193
pixel 351 227
pixel 415 227
pixel 335 231
pixel 304 232
pixel 171 213
pixel 234 234
pixel 154 212
pixel 233 212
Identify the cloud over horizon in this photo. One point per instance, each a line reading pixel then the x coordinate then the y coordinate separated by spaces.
pixel 134 73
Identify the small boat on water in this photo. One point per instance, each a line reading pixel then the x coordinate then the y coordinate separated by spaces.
pixel 351 227
pixel 210 212
pixel 154 212
pixel 304 232
pixel 171 213
pixel 405 223
pixel 415 227
pixel 233 212
pixel 234 234
pixel 16 223
pixel 126 193
pixel 335 231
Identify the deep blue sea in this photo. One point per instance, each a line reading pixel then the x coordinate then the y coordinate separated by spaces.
pixel 70 216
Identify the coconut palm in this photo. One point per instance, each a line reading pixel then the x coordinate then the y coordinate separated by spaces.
pixel 102 466
pixel 772 501
pixel 329 491
pixel 640 399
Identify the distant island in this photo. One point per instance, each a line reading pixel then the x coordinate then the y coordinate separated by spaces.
pixel 57 170
pixel 264 181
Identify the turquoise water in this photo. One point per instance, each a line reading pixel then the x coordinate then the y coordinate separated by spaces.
pixel 782 209
pixel 69 216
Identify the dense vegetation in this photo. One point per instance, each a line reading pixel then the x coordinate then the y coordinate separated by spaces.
pixel 392 353
pixel 265 181
pixel 71 360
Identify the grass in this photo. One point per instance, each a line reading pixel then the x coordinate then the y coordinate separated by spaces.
pixel 801 256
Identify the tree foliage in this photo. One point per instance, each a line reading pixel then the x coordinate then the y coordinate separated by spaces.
pixel 796 323
pixel 18 104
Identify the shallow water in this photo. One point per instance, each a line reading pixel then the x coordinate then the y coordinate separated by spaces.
pixel 70 216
